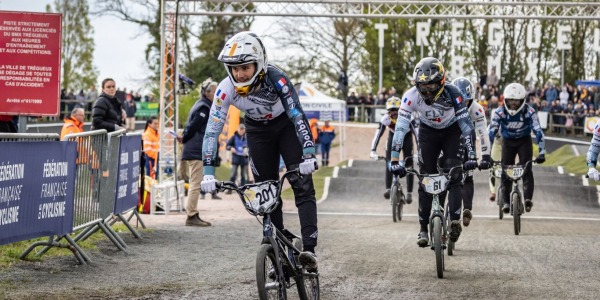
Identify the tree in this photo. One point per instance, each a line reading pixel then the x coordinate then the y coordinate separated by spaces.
pixel 78 71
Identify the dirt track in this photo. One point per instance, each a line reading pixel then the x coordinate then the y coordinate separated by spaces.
pixel 362 253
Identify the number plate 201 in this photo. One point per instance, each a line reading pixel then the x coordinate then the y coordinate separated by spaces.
pixel 261 197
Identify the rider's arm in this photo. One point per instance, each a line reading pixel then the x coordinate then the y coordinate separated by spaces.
pixel 403 123
pixel 494 127
pixel 592 154
pixel 216 121
pixel 378 134
pixel 537 129
pixel 465 124
pixel 478 116
pixel 291 104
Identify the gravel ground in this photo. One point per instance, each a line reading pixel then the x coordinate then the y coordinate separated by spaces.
pixel 362 255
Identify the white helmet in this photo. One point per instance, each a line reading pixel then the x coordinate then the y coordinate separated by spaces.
pixel 244 48
pixel 514 91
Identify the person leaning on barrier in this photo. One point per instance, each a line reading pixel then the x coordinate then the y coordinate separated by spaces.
pixel 192 139
pixel 107 112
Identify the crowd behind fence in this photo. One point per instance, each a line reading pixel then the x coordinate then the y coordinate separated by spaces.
pixel 105 182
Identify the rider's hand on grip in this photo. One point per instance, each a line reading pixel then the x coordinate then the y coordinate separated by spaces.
pixel 486 162
pixel 309 165
pixel 540 159
pixel 373 155
pixel 208 184
pixel 594 174
pixel 470 165
pixel 397 169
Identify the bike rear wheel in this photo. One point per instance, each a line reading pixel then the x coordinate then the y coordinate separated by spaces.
pixel 437 245
pixel 500 201
pixel 270 285
pixel 516 200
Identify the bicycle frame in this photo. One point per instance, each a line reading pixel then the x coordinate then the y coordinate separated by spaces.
pixel 284 250
pixel 515 181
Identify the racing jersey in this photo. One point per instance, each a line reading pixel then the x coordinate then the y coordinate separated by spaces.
pixel 444 112
pixel 517 126
pixel 592 154
pixel 477 114
pixel 276 95
pixel 386 122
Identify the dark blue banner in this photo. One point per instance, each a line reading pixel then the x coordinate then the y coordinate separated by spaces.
pixel 37 181
pixel 128 173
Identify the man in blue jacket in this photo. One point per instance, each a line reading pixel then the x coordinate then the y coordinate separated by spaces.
pixel 238 145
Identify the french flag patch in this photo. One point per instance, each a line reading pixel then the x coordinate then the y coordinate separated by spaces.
pixel 478 112
pixel 221 95
pixel 408 102
pixel 281 83
pixel 458 100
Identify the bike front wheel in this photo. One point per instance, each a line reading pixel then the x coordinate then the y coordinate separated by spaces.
pixel 269 283
pixel 308 286
pixel 516 200
pixel 395 200
pixel 438 246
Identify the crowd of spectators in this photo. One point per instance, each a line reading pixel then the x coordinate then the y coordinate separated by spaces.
pixel 568 105
pixel 85 99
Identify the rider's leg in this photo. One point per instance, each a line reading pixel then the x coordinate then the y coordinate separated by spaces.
pixel 525 155
pixel 430 145
pixel 388 174
pixel 453 154
pixel 304 190
pixel 509 153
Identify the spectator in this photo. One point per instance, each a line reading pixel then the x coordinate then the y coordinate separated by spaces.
pixel 73 123
pixel 597 97
pixel 80 97
pixel 492 79
pixel 327 136
pixel 564 97
pixel 352 101
pixel 151 139
pixel 556 109
pixel 551 93
pixel 130 110
pixel 483 79
pixel 107 112
pixel 239 154
pixel 579 112
pixel 315 131
pixel 192 139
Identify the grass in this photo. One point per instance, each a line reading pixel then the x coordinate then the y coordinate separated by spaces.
pixel 9 254
pixel 565 157
pixel 318 181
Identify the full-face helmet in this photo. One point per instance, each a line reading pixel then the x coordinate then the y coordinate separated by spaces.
pixel 514 98
pixel 466 88
pixel 429 76
pixel 244 48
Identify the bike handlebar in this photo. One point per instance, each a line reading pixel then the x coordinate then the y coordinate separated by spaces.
pixel 441 172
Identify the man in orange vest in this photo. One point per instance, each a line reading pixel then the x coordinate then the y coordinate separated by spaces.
pixel 151 146
pixel 314 129
pixel 73 123
pixel 326 136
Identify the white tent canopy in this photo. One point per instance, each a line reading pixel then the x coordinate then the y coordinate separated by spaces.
pixel 323 108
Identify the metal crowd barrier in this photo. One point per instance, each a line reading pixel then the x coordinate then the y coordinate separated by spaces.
pixel 52 241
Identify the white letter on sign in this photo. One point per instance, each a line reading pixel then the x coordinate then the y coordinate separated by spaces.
pixel 563 37
pixel 532 65
pixel 422 33
pixel 495 33
pixel 457 32
pixel 534 36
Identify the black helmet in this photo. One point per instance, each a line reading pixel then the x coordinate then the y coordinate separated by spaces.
pixel 429 77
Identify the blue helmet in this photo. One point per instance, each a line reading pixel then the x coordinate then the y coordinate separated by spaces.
pixel 466 88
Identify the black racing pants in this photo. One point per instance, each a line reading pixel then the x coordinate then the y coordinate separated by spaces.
pixel 510 149
pixel 431 143
pixel 266 142
pixel 407 151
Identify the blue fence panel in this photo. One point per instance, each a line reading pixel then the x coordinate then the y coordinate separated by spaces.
pixel 128 173
pixel 37 182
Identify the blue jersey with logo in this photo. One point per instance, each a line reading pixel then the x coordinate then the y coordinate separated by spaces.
pixel 517 126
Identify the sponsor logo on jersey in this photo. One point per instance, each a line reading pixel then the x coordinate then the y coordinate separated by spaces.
pixel 285 89
pixel 514 125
